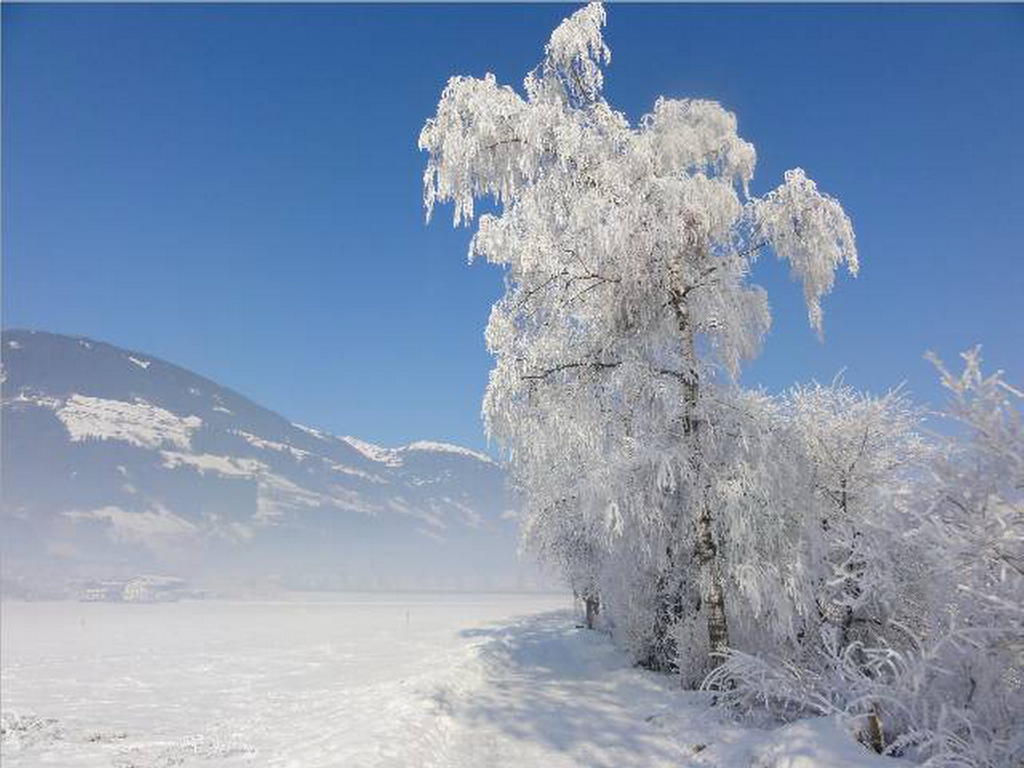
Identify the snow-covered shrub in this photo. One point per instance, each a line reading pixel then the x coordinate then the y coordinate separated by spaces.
pixel 972 520
pixel 921 643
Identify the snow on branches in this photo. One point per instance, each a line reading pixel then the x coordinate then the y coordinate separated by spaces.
pixel 628 251
pixel 912 560
pixel 810 231
pixel 815 542
pixel 575 52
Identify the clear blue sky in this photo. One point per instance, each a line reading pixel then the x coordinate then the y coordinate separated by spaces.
pixel 237 188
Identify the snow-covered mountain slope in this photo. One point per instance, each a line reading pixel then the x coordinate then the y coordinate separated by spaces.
pixel 115 461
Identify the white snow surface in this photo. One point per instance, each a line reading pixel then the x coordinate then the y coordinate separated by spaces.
pixel 147 527
pixel 310 431
pixel 461 681
pixel 139 423
pixel 254 440
pixel 393 456
pixel 228 466
pixel 430 445
pixel 373 452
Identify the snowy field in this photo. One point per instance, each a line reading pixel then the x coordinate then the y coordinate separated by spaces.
pixel 358 680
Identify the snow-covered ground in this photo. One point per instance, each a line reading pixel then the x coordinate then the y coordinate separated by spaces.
pixel 359 680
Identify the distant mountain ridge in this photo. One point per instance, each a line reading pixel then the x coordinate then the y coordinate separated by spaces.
pixel 116 461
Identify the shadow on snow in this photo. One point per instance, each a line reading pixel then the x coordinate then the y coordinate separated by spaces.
pixel 551 683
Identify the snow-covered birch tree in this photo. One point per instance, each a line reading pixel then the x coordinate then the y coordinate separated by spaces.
pixel 628 304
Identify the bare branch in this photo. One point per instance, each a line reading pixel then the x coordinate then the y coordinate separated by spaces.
pixel 595 364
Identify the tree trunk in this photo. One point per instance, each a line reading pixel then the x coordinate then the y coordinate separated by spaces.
pixel 661 655
pixel 705 549
pixel 592 604
pixel 714 595
pixel 874 735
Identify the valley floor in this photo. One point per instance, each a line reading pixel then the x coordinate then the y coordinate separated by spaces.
pixel 364 680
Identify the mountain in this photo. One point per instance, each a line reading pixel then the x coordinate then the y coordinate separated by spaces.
pixel 116 463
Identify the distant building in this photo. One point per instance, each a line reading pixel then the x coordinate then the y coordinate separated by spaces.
pixel 153 589
pixel 139 589
pixel 101 591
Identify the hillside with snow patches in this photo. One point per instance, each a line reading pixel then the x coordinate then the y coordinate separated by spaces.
pixel 116 463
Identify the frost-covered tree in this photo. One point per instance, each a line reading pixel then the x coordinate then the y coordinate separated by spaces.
pixel 970 673
pixel 562 534
pixel 913 589
pixel 857 453
pixel 838 479
pixel 628 304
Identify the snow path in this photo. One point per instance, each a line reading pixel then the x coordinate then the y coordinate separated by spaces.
pixel 370 681
pixel 544 692
pixel 547 693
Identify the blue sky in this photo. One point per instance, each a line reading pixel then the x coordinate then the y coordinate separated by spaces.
pixel 237 188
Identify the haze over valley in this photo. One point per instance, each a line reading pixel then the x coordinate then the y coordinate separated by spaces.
pixel 117 464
